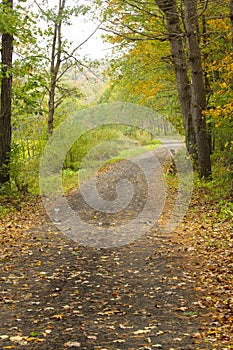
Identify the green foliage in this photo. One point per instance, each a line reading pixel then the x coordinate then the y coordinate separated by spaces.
pixel 25 169
pixel 223 171
pixel 104 143
pixel 18 23
pixel 219 189
pixel 101 147
pixel 50 13
pixel 9 19
pixel 225 210
pixel 5 210
pixel 142 73
pixel 142 69
pixel 11 199
pixel 87 142
pixel 69 180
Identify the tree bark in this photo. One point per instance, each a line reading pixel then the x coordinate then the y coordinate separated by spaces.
pixel 231 17
pixel 169 8
pixel 205 73
pixel 6 100
pixel 198 88
pixel 55 63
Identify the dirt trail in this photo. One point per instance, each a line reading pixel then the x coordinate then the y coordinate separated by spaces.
pixel 57 294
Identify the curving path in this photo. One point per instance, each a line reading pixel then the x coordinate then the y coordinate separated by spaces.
pixel 57 294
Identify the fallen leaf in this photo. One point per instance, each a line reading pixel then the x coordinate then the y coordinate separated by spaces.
pixel 16 338
pixel 71 344
pixel 2 337
pixel 141 331
pixel 92 337
pixel 119 341
pixel 34 334
pixel 35 340
pixel 58 316
pixel 159 333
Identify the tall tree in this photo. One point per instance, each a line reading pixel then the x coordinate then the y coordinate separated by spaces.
pixel 59 54
pixel 175 35
pixel 142 21
pixel 231 17
pixel 191 94
pixel 6 98
pixel 55 63
pixel 198 88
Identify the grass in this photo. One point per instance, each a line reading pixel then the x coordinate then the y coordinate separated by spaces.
pixel 128 153
pixel 217 191
pixel 101 158
pixel 5 210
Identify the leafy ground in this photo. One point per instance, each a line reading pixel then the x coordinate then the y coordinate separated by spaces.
pixel 162 291
pixel 210 237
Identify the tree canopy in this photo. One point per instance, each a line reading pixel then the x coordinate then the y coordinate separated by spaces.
pixel 175 57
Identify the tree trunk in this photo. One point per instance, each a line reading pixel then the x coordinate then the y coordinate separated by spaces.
pixel 6 100
pixel 205 73
pixel 51 107
pixel 198 88
pixel 169 8
pixel 55 63
pixel 52 83
pixel 231 17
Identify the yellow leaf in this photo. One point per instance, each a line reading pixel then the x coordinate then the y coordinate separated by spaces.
pixel 58 316
pixel 223 85
pixel 35 340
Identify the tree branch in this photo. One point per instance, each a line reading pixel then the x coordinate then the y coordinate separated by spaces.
pixel 126 36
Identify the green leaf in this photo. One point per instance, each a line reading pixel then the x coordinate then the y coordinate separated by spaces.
pixel 34 334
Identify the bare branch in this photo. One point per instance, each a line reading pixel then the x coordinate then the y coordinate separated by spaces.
pixel 84 41
pixel 39 7
pixel 81 64
pixel 204 8
pixel 142 9
pixel 130 38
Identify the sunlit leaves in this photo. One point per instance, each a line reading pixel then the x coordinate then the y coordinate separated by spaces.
pixel 216 43
pixel 144 75
pixel 132 20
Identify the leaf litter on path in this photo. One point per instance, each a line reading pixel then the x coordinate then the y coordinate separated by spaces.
pixel 162 291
